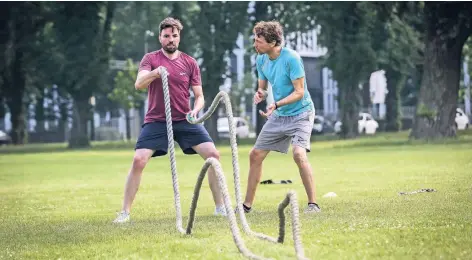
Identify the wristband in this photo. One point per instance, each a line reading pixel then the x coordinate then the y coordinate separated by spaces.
pixel 276 105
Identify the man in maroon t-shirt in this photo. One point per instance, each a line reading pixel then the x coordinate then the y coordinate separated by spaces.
pixel 184 74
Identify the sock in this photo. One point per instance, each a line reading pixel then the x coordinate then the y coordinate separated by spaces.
pixel 312 203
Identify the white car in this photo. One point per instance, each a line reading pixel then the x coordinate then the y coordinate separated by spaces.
pixel 365 123
pixel 318 124
pixel 462 121
pixel 4 138
pixel 321 125
pixel 241 125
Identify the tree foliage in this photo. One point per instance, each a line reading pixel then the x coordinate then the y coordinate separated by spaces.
pixel 125 94
pixel 22 26
pixel 219 24
pixel 84 37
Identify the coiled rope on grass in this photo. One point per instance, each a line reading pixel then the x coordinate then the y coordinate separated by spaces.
pixel 290 198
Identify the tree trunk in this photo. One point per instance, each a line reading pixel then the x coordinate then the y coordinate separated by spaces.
pixel 349 100
pixel 15 88
pixel 435 111
pixel 211 126
pixel 79 136
pixel 39 114
pixel 2 113
pixel 18 132
pixel 211 123
pixel 92 126
pixel 260 13
pixel 128 125
pixel 64 116
pixel 14 82
pixel 396 81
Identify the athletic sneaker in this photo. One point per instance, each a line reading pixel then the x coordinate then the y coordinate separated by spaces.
pixel 246 209
pixel 312 208
pixel 123 217
pixel 220 211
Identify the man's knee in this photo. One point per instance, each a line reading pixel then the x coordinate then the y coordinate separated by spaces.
pixel 213 153
pixel 140 160
pixel 299 156
pixel 257 156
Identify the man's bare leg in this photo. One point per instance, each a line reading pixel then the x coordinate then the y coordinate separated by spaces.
pixel 306 172
pixel 256 157
pixel 207 150
pixel 141 157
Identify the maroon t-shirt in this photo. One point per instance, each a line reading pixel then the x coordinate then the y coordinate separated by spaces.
pixel 183 73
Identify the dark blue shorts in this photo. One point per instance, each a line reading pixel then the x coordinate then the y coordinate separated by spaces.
pixel 154 137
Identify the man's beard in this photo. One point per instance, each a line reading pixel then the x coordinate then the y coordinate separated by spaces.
pixel 170 49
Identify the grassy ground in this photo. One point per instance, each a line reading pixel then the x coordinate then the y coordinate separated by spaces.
pixel 59 204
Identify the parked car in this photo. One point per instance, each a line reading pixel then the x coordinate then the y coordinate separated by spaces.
pixel 462 120
pixel 366 124
pixel 321 125
pixel 241 125
pixel 4 138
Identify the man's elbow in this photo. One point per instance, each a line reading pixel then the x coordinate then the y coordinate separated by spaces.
pixel 300 94
pixel 138 86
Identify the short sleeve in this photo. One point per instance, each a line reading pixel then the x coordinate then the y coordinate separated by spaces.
pixel 296 69
pixel 195 78
pixel 145 63
pixel 259 63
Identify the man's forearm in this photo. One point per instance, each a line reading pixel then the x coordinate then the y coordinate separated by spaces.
pixel 292 98
pixel 144 81
pixel 199 103
pixel 262 87
pixel 262 84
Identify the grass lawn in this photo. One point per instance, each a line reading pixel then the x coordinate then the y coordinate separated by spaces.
pixel 59 204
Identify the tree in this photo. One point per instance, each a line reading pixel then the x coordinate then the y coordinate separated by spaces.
pixel 21 25
pixel 351 31
pixel 467 58
pixel 132 21
pixel 261 11
pixel 125 94
pixel 448 25
pixel 400 55
pixel 83 31
pixel 239 94
pixel 4 35
pixel 219 24
pixel 186 12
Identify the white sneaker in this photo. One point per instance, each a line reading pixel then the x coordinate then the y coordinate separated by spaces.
pixel 313 208
pixel 123 217
pixel 220 211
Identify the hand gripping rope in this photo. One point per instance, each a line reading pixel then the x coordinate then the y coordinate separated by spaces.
pixel 291 197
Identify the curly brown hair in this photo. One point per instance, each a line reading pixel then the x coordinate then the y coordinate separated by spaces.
pixel 272 31
pixel 170 22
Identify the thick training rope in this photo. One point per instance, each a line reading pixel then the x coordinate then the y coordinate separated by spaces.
pixel 290 198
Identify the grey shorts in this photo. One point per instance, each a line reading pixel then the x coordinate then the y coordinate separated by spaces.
pixel 279 131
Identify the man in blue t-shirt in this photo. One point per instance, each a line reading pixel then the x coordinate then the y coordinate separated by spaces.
pixel 290 117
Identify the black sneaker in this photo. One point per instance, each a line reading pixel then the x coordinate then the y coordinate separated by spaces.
pixel 245 208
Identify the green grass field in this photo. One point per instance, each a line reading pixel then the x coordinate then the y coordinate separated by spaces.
pixel 59 204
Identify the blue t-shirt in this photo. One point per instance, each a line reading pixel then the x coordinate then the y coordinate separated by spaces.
pixel 280 73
